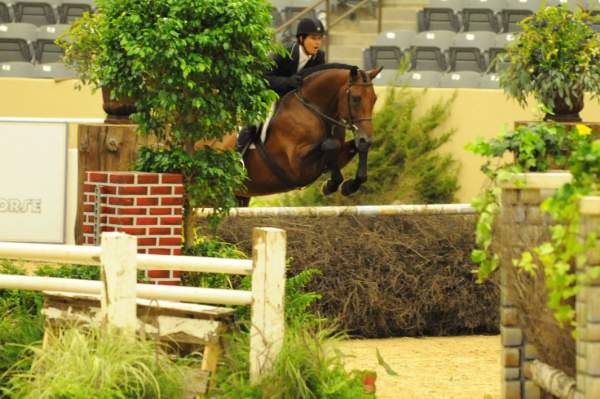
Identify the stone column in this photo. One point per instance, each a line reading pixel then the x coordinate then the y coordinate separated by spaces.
pixel 520 226
pixel 588 310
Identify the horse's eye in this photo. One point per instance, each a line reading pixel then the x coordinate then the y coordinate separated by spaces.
pixel 355 100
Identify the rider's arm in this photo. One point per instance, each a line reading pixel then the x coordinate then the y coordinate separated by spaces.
pixel 276 76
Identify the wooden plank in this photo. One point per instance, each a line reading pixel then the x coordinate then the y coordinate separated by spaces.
pixel 104 147
pixel 118 272
pixel 268 291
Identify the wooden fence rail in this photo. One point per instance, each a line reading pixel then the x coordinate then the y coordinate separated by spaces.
pixel 118 259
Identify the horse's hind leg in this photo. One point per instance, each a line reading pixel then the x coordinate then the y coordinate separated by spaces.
pixel 331 148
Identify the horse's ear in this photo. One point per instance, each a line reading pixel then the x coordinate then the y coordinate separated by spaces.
pixel 374 72
pixel 353 74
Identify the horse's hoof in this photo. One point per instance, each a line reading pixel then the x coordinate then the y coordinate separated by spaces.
pixel 327 188
pixel 349 187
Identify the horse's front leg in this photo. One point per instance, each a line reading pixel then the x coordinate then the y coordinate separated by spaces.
pixel 331 153
pixel 351 186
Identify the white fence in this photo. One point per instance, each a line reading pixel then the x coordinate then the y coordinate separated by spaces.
pixel 118 259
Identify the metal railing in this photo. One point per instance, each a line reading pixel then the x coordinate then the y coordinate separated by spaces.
pixel 330 23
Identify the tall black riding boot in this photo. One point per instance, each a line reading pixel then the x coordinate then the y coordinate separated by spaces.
pixel 245 138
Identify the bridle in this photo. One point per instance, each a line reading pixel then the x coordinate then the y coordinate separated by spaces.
pixel 351 123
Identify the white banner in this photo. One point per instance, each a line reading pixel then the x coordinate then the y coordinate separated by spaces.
pixel 33 168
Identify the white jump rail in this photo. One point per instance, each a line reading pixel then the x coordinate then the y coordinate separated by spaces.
pixel 119 260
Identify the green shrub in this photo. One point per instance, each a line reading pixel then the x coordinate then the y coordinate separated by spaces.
pixel 307 368
pixel 405 164
pixel 83 363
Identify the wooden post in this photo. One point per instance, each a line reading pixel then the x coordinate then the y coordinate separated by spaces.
pixel 119 278
pixel 268 291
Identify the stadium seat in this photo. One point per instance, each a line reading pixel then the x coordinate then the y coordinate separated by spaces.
pixel 421 79
pixel 16 41
pixel 490 81
pixel 439 15
pixel 389 57
pixel 467 52
pixel 570 4
pixel 515 11
pixel 428 51
pixel 4 12
pixel 37 12
pixel 387 78
pixel 481 15
pixel 402 39
pixel 53 70
pixel 462 79
pixel 46 50
pixel 16 70
pixel 502 41
pixel 70 10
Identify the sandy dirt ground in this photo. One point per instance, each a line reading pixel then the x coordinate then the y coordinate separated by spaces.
pixel 430 368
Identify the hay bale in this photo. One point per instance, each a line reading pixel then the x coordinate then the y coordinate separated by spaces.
pixel 385 276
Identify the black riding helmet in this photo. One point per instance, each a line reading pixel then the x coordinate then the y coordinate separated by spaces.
pixel 310 26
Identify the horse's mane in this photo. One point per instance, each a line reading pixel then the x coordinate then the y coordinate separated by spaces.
pixel 323 67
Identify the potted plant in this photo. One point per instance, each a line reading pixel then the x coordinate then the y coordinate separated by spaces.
pixel 556 59
pixel 83 45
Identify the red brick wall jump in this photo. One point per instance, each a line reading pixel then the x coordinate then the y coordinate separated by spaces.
pixel 147 205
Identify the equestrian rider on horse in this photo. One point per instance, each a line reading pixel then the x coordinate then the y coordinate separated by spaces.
pixel 284 77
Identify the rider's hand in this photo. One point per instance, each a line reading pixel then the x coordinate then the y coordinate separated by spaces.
pixel 295 81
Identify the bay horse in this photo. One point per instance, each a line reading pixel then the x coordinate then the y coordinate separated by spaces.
pixel 306 135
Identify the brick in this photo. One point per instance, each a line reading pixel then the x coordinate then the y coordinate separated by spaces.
pixel 132 211
pixel 108 189
pixel 88 228
pixel 177 231
pixel 592 332
pixel 135 231
pixel 511 373
pixel 532 391
pixel 580 347
pixel 178 190
pixel 160 211
pixel 141 250
pixel 511 390
pixel 146 221
pixel 122 178
pixel 89 188
pixel 158 274
pixel 168 241
pixel 170 178
pixel 121 221
pixel 531 196
pixel 105 229
pixel 97 177
pixel 108 210
pixel 159 251
pixel 176 251
pixel 90 218
pixel 146 201
pixel 88 208
pixel 593 304
pixel 90 240
pixel 171 201
pixel 171 220
pixel 90 198
pixel 150 178
pixel 509 197
pixel 120 201
pixel 530 352
pixel 177 211
pixel 511 336
pixel 133 190
pixel 161 190
pixel 511 357
pixel 146 241
pixel 581 363
pixel 175 274
pixel 509 317
pixel 159 231
pixel 592 387
pixel 593 359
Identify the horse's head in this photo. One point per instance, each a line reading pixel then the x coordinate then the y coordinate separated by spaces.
pixel 356 100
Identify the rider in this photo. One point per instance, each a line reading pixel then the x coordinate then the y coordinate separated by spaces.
pixel 304 53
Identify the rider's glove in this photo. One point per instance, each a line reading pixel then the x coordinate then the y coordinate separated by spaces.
pixel 295 81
